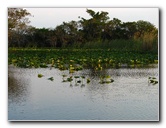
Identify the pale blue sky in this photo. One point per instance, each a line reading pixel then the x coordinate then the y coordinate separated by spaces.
pixel 51 17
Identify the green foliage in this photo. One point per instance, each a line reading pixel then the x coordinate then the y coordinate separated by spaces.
pixel 17 18
pixel 40 75
pixel 96 32
pixel 152 80
pixel 78 59
pixel 51 78
pixel 17 25
pixel 88 81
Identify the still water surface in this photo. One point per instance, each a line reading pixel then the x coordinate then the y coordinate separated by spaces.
pixel 129 97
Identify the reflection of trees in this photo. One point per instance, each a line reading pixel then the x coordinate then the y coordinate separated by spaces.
pixel 125 72
pixel 96 74
pixel 94 89
pixel 17 89
pixel 92 73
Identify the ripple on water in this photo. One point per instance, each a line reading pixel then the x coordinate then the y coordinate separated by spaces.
pixel 129 97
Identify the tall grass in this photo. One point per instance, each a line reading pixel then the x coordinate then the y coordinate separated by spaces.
pixel 144 44
pixel 149 42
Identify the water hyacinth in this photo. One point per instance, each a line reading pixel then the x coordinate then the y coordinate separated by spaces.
pixel 51 78
pixel 79 59
pixel 88 81
pixel 40 75
pixel 152 80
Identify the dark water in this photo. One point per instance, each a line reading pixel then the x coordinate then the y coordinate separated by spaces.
pixel 129 97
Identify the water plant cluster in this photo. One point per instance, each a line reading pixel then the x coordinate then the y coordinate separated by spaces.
pixel 104 79
pixel 75 60
pixel 79 59
pixel 65 78
pixel 77 79
pixel 152 80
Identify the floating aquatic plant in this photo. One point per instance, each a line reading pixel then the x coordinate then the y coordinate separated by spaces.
pixel 105 79
pixel 51 78
pixel 79 59
pixel 40 75
pixel 88 81
pixel 63 78
pixel 70 79
pixel 152 80
pixel 79 81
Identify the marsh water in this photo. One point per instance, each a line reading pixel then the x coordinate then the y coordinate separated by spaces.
pixel 129 97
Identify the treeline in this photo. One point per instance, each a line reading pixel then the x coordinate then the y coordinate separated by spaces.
pixel 98 31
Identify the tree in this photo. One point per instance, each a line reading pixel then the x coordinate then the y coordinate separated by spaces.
pixel 93 27
pixel 130 29
pixel 114 29
pixel 62 36
pixel 17 24
pixel 72 32
pixel 42 38
pixel 144 26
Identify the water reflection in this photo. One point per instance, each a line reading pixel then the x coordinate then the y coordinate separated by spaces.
pixel 127 98
pixel 17 88
pixel 144 72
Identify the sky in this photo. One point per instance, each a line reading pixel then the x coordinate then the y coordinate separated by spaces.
pixel 51 17
pixel 77 3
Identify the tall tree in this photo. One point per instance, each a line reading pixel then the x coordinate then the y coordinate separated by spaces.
pixel 144 26
pixel 93 27
pixel 17 24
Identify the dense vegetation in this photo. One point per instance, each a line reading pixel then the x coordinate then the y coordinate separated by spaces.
pixel 97 43
pixel 97 32
pixel 77 59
